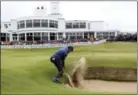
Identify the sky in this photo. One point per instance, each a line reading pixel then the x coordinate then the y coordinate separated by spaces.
pixel 120 15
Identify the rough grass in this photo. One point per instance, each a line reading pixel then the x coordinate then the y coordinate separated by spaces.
pixel 29 71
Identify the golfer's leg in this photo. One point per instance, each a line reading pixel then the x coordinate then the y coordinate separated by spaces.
pixel 57 63
pixel 60 74
pixel 59 67
pixel 54 61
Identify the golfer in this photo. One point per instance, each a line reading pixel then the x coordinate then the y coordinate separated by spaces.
pixel 58 59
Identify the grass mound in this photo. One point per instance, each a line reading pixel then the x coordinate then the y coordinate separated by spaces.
pixel 112 74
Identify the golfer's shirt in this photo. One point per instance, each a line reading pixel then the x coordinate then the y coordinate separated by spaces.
pixel 62 53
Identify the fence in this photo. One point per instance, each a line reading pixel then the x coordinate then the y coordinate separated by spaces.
pixel 51 45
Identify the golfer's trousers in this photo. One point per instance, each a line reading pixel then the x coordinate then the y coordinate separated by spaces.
pixel 58 63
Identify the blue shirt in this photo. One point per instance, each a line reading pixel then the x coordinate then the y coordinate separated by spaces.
pixel 62 53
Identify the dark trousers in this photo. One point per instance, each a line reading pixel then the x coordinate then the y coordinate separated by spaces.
pixel 58 63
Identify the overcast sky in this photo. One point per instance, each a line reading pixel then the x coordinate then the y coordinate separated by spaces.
pixel 121 15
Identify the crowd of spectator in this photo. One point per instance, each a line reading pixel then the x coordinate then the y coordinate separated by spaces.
pixel 124 37
pixel 43 42
pixel 119 37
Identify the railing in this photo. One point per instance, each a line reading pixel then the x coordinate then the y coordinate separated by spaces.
pixel 51 45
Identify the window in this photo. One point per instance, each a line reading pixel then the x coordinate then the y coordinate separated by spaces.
pixel 42 7
pixel 56 24
pixel 36 34
pixel 75 25
pixel 8 35
pixel 44 34
pixel 5 25
pixel 3 34
pixel 78 34
pixel 67 34
pixel 68 25
pixel 112 33
pixel 18 25
pixel 21 35
pixel 22 24
pixel 14 34
pixel 51 24
pixel 71 34
pixel 36 23
pixel 44 23
pixel 60 37
pixel 98 34
pixel 104 33
pixel 29 23
pixel 82 25
pixel 88 25
pixel 60 34
pixel 101 33
pixel 29 34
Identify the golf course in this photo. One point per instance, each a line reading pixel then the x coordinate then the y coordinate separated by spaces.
pixel 29 71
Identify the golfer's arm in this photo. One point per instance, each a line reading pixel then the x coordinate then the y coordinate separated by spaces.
pixel 63 61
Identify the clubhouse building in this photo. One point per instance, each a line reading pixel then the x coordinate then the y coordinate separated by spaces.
pixel 44 26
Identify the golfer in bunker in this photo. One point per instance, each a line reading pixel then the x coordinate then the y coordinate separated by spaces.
pixel 58 59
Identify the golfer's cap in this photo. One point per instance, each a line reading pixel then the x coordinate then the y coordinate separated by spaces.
pixel 71 48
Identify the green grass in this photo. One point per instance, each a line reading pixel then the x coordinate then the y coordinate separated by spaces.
pixel 26 71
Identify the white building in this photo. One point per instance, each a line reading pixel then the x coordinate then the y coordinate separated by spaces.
pixel 44 26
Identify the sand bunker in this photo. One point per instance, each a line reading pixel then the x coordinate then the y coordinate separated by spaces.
pixel 108 86
pixel 75 79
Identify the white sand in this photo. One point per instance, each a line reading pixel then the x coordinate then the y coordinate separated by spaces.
pixel 108 86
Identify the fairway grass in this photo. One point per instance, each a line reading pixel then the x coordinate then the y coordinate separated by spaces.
pixel 29 71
